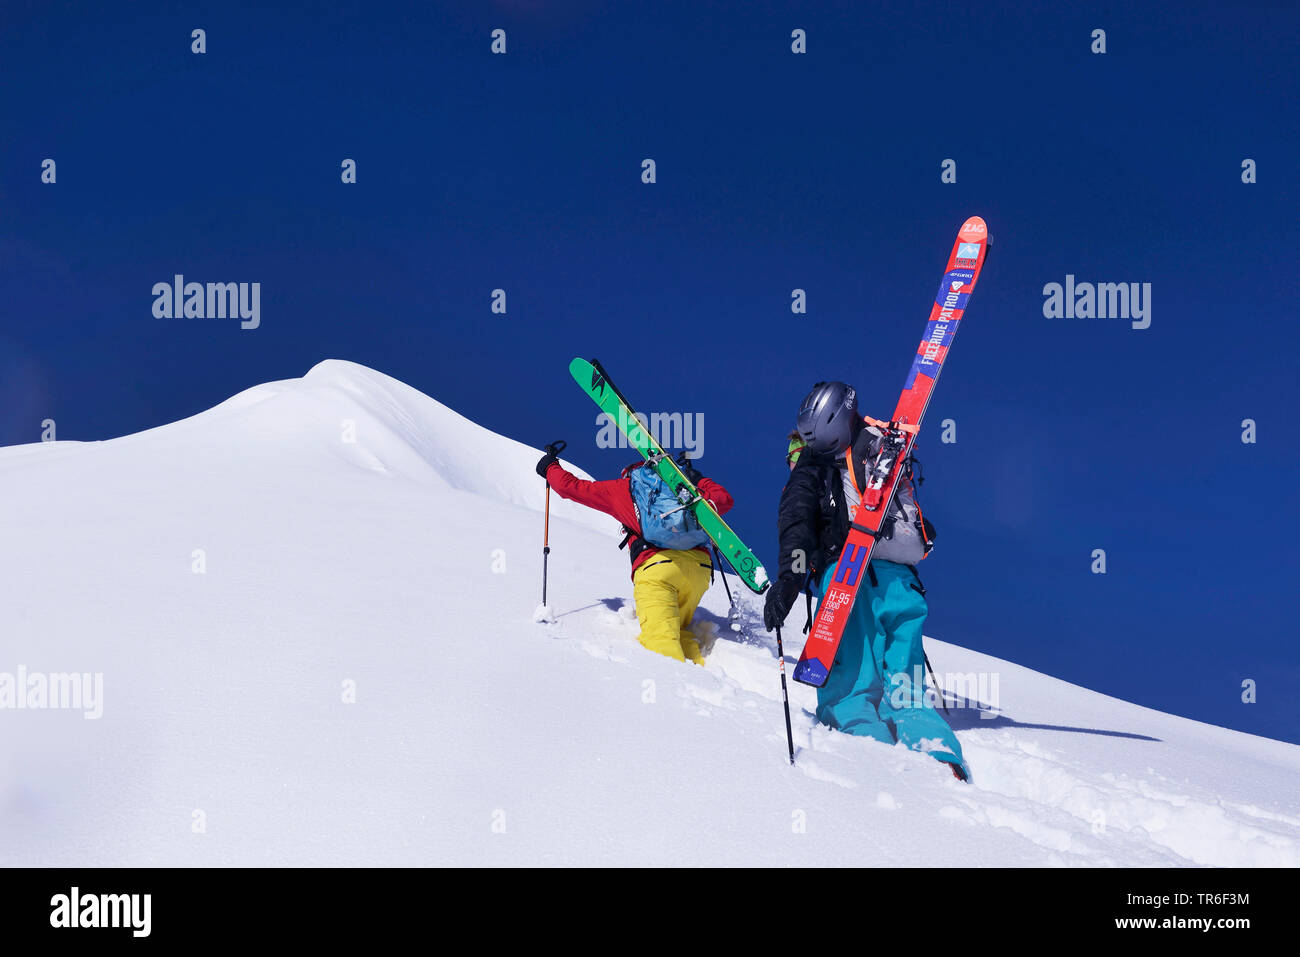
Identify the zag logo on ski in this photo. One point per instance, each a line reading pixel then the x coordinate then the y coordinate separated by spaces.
pixel 593 379
pixel 899 434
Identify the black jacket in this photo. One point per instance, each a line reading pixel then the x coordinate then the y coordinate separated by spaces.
pixel 812 520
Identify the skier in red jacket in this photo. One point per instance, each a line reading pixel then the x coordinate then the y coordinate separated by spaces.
pixel 667 583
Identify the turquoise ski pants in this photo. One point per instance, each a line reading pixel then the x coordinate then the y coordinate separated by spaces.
pixel 873 688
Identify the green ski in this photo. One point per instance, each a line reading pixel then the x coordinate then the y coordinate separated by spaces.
pixel 595 381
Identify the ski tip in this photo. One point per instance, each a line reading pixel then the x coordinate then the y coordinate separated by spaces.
pixel 973 230
pixel 584 372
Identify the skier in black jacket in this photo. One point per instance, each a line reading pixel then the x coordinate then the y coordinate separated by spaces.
pixel 877 687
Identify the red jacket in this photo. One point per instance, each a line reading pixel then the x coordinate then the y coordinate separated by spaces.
pixel 614 497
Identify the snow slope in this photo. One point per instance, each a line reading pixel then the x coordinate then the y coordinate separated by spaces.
pixel 405 565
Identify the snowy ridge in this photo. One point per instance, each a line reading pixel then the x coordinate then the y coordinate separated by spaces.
pixel 394 429
pixel 237 575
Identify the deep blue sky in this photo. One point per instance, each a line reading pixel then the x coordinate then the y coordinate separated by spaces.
pixel 775 171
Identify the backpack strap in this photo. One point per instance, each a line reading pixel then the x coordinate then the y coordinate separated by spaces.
pixel 882 424
pixel 634 544
pixel 633 541
pixel 853 478
pixel 922 526
pixel 919 588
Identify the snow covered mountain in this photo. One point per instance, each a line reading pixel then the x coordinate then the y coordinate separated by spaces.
pixel 309 609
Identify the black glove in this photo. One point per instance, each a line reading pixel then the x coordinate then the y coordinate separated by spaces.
pixel 551 457
pixel 780 599
pixel 692 474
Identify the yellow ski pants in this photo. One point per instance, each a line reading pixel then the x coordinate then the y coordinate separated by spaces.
pixel 667 589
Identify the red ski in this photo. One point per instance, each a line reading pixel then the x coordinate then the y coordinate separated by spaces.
pixel 898 436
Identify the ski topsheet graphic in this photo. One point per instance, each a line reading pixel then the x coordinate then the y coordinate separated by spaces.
pixel 593 380
pixel 899 434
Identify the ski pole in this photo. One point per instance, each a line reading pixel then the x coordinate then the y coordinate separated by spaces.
pixel 785 695
pixel 943 703
pixel 555 448
pixel 546 539
pixel 718 558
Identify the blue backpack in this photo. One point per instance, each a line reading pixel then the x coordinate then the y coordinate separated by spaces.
pixel 664 524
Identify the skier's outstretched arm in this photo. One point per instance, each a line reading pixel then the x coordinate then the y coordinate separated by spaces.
pixel 609 496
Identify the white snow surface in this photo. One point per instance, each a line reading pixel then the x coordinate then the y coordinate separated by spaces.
pixel 406 565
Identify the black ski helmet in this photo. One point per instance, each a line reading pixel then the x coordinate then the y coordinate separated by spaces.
pixel 828 418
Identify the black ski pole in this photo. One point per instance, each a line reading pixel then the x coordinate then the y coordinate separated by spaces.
pixel 942 697
pixel 555 448
pixel 785 695
pixel 718 558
